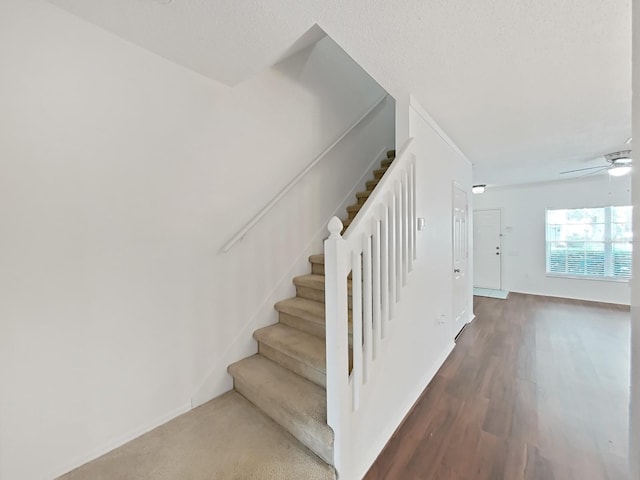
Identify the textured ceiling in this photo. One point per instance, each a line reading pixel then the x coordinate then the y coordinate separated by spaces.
pixel 526 88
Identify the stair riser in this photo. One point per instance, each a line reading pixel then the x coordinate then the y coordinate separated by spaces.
pixel 352 214
pixel 317 268
pixel 296 366
pixel 313 294
pixel 312 328
pixel 386 163
pixel 362 200
pixel 371 185
pixel 294 426
pixel 315 329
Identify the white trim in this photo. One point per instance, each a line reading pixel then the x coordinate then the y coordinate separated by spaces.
pixel 258 216
pixel 112 445
pixel 588 277
pixel 419 109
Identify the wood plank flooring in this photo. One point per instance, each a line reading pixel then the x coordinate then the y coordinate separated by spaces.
pixel 536 388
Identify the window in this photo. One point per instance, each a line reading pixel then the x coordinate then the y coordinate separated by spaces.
pixel 590 242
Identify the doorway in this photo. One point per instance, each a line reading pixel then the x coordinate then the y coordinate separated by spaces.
pixel 487 249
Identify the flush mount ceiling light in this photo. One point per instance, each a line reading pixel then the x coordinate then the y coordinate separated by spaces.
pixel 478 188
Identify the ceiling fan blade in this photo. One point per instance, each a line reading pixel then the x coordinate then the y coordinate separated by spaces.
pixel 583 169
pixel 593 172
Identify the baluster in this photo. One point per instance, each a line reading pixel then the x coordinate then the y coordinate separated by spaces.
pixel 398 269
pixel 392 255
pixel 367 305
pixel 356 299
pixel 384 267
pixel 375 264
pixel 405 227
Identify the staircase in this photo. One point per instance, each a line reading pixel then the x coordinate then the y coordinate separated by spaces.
pixel 287 378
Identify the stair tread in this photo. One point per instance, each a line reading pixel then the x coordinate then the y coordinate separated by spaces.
pixel 295 343
pixel 363 194
pixel 313 280
pixel 306 309
pixel 317 258
pixel 303 308
pixel 380 170
pixel 292 396
pixel 354 208
pixel 391 153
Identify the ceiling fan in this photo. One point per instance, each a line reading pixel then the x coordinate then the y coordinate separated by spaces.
pixel 618 164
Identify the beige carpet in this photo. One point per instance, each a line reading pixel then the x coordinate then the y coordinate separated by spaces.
pixel 226 439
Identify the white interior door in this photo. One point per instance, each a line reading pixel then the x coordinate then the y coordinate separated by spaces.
pixel 460 256
pixel 487 250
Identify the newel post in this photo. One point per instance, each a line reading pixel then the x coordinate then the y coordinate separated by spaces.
pixel 337 340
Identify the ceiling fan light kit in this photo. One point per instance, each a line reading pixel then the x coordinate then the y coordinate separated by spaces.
pixel 619 170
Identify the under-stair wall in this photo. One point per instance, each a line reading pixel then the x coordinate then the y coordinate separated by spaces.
pixel 123 175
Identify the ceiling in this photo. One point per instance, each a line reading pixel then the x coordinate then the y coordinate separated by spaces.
pixel 526 88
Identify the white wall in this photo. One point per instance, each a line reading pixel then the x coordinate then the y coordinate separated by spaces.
pixel 121 176
pixel 416 344
pixel 634 417
pixel 523 229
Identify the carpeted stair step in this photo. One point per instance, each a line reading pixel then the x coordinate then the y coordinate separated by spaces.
pixel 362 197
pixel 317 264
pixel 391 154
pixel 295 403
pixel 386 162
pixel 371 184
pixel 353 210
pixel 307 315
pixel 311 287
pixel 300 352
pixel 378 173
pixel 303 314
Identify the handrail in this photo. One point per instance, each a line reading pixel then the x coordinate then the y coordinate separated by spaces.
pixel 258 216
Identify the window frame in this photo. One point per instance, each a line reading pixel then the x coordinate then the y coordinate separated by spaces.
pixel 609 242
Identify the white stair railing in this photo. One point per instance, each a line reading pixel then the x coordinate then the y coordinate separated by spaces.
pixel 378 249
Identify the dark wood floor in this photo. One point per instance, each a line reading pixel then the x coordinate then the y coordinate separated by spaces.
pixel 536 388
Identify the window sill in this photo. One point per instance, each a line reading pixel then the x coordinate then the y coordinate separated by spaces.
pixel 584 277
